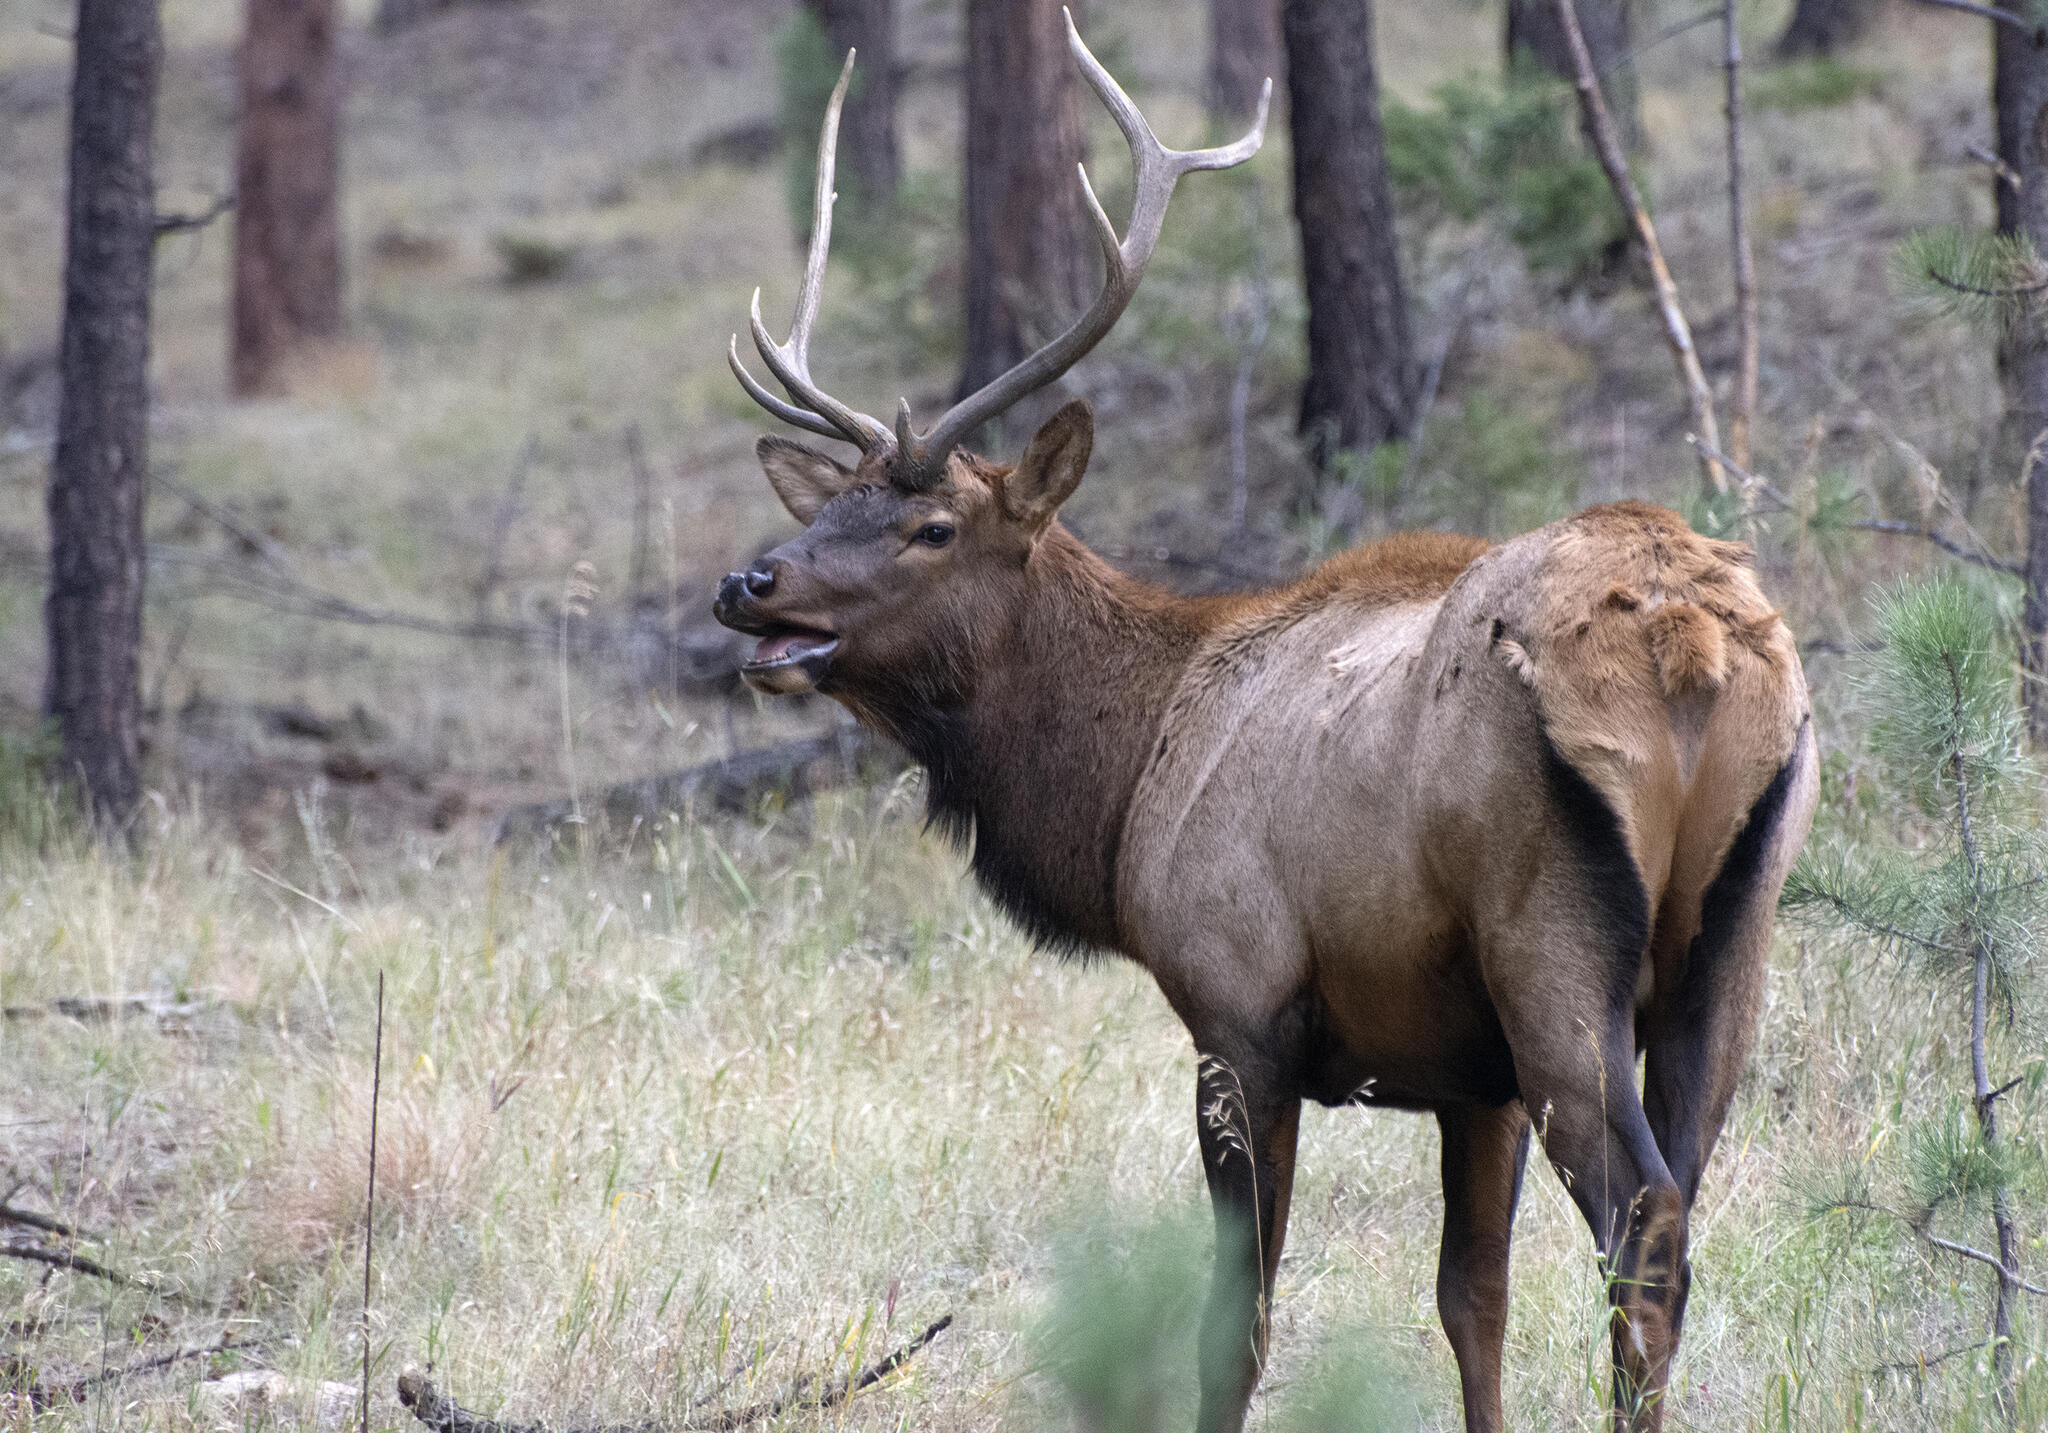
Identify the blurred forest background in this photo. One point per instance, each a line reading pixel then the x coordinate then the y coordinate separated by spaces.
pixel 705 1069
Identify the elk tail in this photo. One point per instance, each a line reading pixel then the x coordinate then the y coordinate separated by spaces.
pixel 1690 648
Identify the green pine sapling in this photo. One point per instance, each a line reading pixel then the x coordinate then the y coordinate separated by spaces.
pixel 1960 898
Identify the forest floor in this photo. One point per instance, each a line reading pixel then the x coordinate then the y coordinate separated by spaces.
pixel 761 1096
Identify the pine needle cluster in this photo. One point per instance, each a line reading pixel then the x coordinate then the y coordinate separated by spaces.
pixel 1993 281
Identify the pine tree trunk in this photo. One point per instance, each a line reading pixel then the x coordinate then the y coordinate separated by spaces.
pixel 1031 254
pixel 1825 27
pixel 1244 52
pixel 93 614
pixel 287 275
pixel 1609 28
pixel 870 164
pixel 2019 95
pixel 1359 389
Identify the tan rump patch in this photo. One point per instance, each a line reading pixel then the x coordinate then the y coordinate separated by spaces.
pixel 1689 648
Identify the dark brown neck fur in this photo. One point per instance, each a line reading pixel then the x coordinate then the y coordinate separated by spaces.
pixel 1038 762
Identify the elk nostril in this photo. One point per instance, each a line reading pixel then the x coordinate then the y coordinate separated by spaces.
pixel 760 582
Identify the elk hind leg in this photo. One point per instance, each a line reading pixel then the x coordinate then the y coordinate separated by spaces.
pixel 1698 1034
pixel 1562 965
pixel 1248 1121
pixel 1484 1152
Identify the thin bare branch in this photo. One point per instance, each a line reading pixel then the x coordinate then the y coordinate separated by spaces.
pixel 1896 528
pixel 1746 314
pixel 1983 1258
pixel 79 1387
pixel 2007 175
pixel 167 224
pixel 257 541
pixel 501 527
pixel 67 1259
pixel 29 1219
pixel 443 1414
pixel 1677 332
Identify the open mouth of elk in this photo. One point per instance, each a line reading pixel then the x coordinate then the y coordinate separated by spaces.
pixel 789 659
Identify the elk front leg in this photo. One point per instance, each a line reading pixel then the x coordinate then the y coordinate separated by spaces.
pixel 1484 1153
pixel 1248 1127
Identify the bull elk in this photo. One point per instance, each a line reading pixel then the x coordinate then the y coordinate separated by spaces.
pixel 1442 826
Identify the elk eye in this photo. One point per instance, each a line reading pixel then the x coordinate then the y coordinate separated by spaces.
pixel 935 534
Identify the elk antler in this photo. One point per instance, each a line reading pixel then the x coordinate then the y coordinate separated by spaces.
pixel 791 362
pixel 917 459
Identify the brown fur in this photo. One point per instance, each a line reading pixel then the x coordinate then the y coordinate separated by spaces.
pixel 1441 826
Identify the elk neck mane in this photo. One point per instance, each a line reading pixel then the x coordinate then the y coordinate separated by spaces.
pixel 1035 766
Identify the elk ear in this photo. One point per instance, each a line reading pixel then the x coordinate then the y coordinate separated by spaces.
pixel 803 478
pixel 1051 467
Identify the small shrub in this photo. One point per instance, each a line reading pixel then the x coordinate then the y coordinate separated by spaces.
pixel 530 259
pixel 33 805
pixel 1813 84
pixel 1506 150
pixel 1490 467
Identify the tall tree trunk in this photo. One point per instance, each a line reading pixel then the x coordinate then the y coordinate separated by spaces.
pixel 870 164
pixel 1244 52
pixel 1825 27
pixel 93 615
pixel 1609 28
pixel 2019 95
pixel 1031 254
pixel 287 277
pixel 1359 391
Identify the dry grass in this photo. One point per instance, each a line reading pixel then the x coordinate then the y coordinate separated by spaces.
pixel 730 1095
pixel 724 1099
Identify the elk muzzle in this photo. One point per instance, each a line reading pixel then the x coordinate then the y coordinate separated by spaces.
pixel 790 657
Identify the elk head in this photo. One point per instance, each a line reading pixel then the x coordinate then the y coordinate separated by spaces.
pixel 911 558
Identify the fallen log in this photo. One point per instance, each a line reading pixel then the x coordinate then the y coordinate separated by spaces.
pixel 738 783
pixel 444 1415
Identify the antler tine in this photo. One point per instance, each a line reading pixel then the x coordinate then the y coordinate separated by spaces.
pixel 787 412
pixel 1155 169
pixel 791 362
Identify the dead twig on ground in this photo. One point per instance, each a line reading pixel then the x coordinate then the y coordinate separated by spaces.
pixel 442 1413
pixel 1614 162
pixel 29 1219
pixel 99 1009
pixel 67 1259
pixel 78 1388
